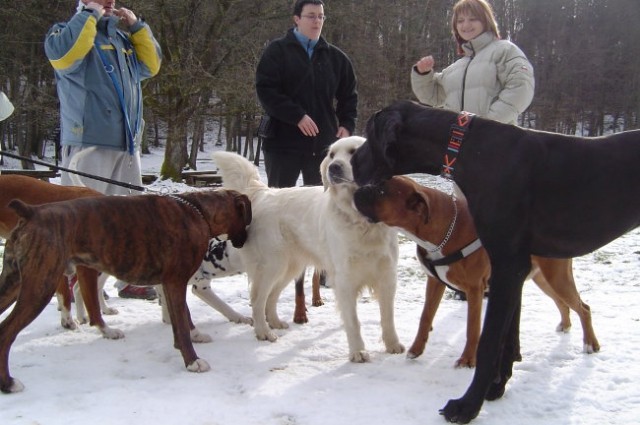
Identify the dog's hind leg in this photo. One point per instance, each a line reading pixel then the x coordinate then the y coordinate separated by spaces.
pixel 300 312
pixel 558 275
pixel 433 296
pixel 88 281
pixel 176 297
pixel 271 308
pixel 319 278
pixel 33 298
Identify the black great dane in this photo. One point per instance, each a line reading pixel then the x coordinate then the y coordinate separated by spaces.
pixel 530 193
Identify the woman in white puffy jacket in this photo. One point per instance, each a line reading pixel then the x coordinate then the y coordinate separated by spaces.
pixel 493 79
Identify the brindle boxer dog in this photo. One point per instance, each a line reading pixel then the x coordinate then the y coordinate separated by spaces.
pixel 529 192
pixel 448 248
pixel 145 239
pixel 34 191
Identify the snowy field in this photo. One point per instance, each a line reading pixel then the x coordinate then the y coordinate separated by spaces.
pixel 305 378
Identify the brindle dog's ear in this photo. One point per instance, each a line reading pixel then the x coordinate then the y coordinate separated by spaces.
pixel 419 203
pixel 243 205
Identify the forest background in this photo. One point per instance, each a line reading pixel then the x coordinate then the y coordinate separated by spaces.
pixel 585 54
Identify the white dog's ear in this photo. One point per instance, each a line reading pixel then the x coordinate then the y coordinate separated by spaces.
pixel 324 173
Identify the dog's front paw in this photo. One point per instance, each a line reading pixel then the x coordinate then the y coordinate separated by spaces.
pixel 112 333
pixel 278 324
pixel 239 319
pixel 359 357
pixel 69 323
pixel 266 336
pixel 199 337
pixel 496 390
pixel 199 366
pixel 465 361
pixel 110 311
pixel 14 386
pixel 459 411
pixel 396 348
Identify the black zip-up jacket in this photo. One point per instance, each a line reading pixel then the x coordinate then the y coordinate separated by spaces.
pixel 290 85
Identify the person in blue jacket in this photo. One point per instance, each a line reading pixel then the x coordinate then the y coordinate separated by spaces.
pixel 100 56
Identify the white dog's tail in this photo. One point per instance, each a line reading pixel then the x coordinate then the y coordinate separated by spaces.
pixel 237 172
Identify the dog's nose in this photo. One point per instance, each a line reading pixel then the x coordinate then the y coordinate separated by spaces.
pixel 335 170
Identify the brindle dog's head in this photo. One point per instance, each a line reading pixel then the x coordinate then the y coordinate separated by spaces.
pixel 395 202
pixel 228 213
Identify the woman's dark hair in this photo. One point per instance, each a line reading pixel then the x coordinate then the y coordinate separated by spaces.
pixel 300 4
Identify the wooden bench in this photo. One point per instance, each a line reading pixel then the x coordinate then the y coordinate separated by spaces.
pixel 202 178
pixel 38 174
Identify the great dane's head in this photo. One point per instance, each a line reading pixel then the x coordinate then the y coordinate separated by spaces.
pixel 402 138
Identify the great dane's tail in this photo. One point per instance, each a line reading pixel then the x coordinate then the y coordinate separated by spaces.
pixel 238 173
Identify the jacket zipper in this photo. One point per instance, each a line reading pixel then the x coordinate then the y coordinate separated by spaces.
pixel 464 77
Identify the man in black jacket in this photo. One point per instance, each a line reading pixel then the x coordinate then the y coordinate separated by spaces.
pixel 299 77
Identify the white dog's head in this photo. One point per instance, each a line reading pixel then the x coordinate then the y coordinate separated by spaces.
pixel 336 167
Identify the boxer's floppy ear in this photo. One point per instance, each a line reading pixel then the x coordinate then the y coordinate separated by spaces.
pixel 419 204
pixel 243 205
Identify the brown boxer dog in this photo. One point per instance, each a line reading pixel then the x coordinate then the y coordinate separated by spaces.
pixel 144 239
pixel 34 191
pixel 443 227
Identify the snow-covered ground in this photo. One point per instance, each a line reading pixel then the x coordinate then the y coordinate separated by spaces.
pixel 305 378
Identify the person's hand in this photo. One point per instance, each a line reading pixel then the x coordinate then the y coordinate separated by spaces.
pixel 425 64
pixel 308 127
pixel 342 132
pixel 126 16
pixel 95 6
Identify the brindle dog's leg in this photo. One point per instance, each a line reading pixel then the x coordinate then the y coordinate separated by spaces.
pixel 176 297
pixel 88 281
pixel 33 298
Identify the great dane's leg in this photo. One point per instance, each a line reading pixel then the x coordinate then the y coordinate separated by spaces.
pixel 176 297
pixel 88 281
pixel 433 296
pixel 203 291
pixel 497 347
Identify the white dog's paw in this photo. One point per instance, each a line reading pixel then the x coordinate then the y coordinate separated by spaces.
pixel 562 328
pixel 359 357
pixel 396 348
pixel 266 336
pixel 112 333
pixel 110 311
pixel 69 323
pixel 278 324
pixel 239 319
pixel 199 337
pixel 199 366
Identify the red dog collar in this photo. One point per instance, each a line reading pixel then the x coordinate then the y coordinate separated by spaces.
pixel 458 130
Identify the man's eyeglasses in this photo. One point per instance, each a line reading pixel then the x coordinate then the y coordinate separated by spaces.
pixel 314 17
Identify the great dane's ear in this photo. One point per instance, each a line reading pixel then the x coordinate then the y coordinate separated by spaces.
pixel 419 204
pixel 388 125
